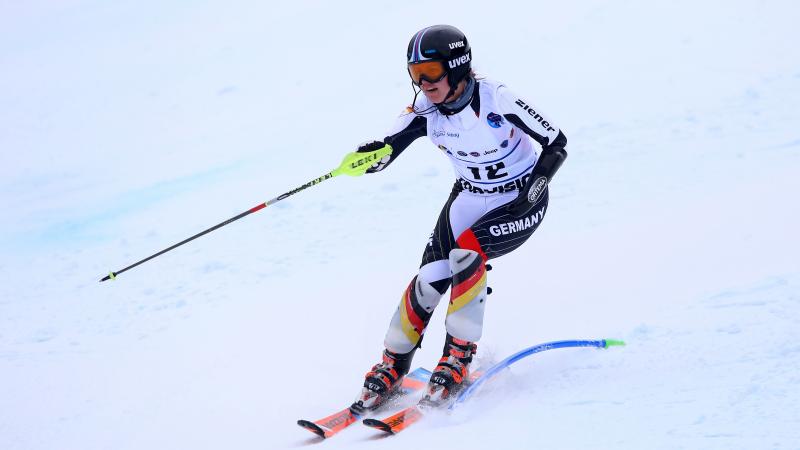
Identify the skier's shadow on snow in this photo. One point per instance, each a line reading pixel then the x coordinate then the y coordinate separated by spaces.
pixel 316 440
pixel 310 441
pixel 376 437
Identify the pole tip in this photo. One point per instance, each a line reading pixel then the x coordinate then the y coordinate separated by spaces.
pixel 613 343
pixel 110 276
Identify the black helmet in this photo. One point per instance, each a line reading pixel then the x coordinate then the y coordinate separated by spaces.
pixel 443 43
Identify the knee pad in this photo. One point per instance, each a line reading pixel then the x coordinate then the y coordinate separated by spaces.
pixel 467 295
pixel 412 315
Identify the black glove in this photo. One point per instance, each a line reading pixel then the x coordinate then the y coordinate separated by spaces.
pixel 371 146
pixel 529 196
pixel 549 162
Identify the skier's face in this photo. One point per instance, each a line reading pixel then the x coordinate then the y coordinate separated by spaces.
pixel 435 92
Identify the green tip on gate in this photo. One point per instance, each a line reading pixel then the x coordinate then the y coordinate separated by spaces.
pixel 613 343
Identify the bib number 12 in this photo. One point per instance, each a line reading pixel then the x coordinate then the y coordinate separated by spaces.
pixel 492 171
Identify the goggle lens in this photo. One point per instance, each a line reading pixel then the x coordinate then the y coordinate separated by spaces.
pixel 430 71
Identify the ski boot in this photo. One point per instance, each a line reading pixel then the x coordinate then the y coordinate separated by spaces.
pixel 451 373
pixel 382 381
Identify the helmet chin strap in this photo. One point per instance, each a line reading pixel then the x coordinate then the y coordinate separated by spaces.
pixel 449 93
pixel 414 102
pixel 461 102
pixel 447 108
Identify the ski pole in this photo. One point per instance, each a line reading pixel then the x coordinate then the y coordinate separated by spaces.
pixel 353 164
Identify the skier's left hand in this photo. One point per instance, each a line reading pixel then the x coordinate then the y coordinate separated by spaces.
pixel 529 196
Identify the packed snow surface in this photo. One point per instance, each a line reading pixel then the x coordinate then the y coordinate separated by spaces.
pixel 127 126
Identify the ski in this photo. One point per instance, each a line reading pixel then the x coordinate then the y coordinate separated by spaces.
pixel 406 417
pixel 400 421
pixel 396 422
pixel 336 422
pixel 328 426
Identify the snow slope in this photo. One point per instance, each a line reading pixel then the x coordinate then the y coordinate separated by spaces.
pixel 128 126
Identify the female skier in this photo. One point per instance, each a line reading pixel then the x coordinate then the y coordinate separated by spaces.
pixel 499 199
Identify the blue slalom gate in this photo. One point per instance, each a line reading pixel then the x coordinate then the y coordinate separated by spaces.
pixel 497 368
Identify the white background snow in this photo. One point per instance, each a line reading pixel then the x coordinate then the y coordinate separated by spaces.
pixel 127 126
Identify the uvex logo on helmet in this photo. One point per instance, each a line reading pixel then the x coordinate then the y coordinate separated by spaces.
pixel 453 63
pixel 454 45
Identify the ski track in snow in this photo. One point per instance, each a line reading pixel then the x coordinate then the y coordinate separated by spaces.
pixel 127 127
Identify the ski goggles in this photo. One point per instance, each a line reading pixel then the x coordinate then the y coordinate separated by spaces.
pixel 430 71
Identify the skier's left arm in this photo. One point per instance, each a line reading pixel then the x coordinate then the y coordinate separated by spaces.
pixel 529 119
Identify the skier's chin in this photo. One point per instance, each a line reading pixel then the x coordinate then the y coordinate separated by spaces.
pixel 434 95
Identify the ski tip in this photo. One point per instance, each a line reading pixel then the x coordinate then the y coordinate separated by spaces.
pixel 613 343
pixel 378 425
pixel 312 427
